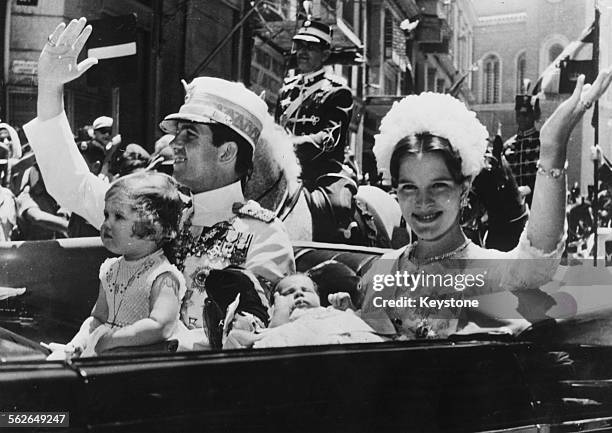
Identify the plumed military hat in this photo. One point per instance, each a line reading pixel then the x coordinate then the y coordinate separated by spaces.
pixel 314 31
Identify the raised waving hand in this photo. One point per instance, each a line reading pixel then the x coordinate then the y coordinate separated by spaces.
pixel 58 65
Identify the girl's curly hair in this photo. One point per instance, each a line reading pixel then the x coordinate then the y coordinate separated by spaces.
pixel 155 197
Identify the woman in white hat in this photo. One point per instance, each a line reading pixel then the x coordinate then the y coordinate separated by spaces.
pixel 432 147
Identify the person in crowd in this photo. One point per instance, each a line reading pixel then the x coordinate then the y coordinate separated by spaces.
pixel 163 157
pixel 132 159
pixel 8 214
pixel 93 153
pixel 8 207
pixel 102 134
pixel 523 150
pixel 10 139
pixel 315 106
pixel 432 147
pixel 216 131
pixel 298 319
pixel 163 143
pixel 86 133
pixel 140 291
pixel 10 151
pixel 102 131
pixel 40 217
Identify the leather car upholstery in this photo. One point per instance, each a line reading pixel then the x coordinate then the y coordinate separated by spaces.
pixel 61 277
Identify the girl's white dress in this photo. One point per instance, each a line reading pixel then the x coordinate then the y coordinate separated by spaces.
pixel 472 272
pixel 127 285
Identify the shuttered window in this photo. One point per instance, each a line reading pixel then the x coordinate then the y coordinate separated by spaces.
pixel 491 80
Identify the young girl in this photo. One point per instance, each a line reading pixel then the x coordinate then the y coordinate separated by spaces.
pixel 140 292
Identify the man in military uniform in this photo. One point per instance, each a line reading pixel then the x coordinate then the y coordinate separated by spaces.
pixel 315 106
pixel 216 130
pixel 523 150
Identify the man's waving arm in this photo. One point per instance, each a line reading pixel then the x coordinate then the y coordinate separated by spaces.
pixel 66 174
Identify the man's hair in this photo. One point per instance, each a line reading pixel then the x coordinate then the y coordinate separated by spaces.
pixel 244 159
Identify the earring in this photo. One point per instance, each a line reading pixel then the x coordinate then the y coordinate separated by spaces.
pixel 464 201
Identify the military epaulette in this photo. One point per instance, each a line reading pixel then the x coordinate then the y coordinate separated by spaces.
pixel 254 210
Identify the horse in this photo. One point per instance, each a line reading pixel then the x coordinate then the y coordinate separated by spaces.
pixel 496 190
pixel 339 211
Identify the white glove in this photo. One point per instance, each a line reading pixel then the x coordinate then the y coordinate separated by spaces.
pixel 9 292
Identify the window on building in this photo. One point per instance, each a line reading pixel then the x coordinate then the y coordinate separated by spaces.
pixel 348 13
pixel 431 79
pixel 263 58
pixel 280 7
pixel 21 106
pixel 491 80
pixel 359 88
pixel 554 51
pixel 278 67
pixel 255 74
pixel 521 67
pixel 347 73
pixel 440 85
pixel 327 10
pixel 388 35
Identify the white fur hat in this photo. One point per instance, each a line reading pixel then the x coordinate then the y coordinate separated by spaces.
pixel 437 114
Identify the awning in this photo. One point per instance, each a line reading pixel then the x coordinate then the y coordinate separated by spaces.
pixel 279 34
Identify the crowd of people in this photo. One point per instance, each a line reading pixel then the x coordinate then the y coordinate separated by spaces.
pixel 176 250
pixel 29 212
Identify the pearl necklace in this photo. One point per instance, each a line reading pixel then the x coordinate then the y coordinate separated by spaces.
pixel 439 257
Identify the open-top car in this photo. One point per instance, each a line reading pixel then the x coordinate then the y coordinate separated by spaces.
pixel 555 375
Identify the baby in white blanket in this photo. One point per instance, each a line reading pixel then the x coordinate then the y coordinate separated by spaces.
pixel 298 319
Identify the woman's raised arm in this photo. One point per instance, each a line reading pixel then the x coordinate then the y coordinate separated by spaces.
pixel 546 222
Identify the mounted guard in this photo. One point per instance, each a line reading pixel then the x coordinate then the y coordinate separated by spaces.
pixel 315 106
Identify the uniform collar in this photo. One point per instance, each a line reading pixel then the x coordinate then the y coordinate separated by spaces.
pixel 528 132
pixel 312 76
pixel 211 207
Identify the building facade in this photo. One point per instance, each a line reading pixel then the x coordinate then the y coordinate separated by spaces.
pixel 415 46
pixel 273 59
pixel 515 41
pixel 384 49
pixel 174 41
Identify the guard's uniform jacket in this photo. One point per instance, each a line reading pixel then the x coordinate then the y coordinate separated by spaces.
pixel 309 104
pixel 218 232
pixel 522 153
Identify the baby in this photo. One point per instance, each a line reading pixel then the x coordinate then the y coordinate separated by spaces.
pixel 298 319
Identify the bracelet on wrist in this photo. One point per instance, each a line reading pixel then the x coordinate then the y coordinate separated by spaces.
pixel 554 173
